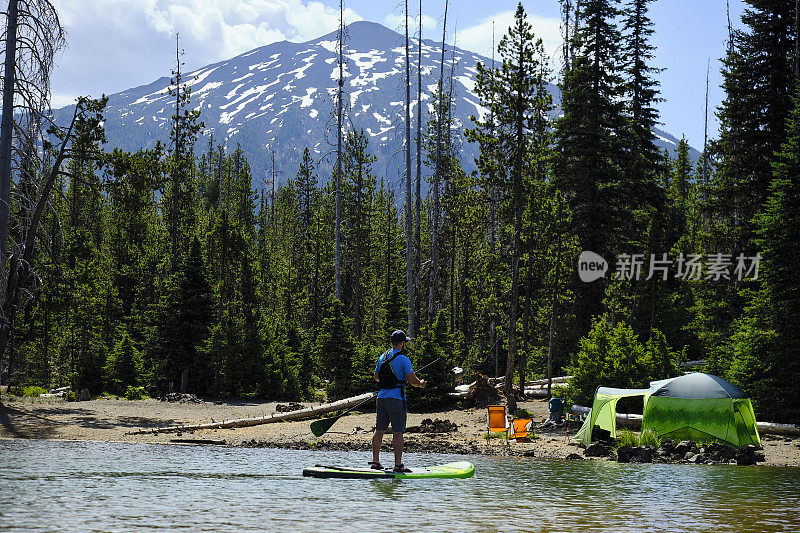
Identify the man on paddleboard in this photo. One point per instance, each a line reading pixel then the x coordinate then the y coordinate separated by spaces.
pixel 393 371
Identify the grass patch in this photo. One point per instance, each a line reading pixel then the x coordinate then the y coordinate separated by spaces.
pixel 489 436
pixel 647 437
pixel 627 437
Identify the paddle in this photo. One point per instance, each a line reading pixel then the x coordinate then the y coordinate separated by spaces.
pixel 319 427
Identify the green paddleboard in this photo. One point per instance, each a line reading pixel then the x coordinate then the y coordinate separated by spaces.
pixel 460 469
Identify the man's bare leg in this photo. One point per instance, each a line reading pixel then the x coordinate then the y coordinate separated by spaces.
pixel 377 439
pixel 397 444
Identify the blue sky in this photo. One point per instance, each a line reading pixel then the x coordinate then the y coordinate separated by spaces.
pixel 117 44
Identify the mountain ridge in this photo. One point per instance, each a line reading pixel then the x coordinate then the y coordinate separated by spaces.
pixel 292 84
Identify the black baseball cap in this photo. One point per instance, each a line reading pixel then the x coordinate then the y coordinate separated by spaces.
pixel 399 336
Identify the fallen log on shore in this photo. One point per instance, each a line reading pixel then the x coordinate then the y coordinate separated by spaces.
pixel 308 412
pixel 543 382
pixel 535 389
pixel 767 428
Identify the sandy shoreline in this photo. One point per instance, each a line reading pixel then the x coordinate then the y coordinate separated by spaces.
pixel 112 420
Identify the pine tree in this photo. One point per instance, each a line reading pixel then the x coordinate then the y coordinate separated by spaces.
pixel 187 312
pixel 644 157
pixel 337 350
pixel 758 78
pixel 590 152
pixel 178 200
pixel 396 313
pixel 123 366
pixel 433 345
pixel 518 103
pixel 767 339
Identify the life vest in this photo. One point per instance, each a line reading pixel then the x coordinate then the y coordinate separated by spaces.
pixel 386 376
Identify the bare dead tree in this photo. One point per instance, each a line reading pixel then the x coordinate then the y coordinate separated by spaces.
pixel 409 199
pixel 32 34
pixel 413 314
pixel 437 176
pixel 338 239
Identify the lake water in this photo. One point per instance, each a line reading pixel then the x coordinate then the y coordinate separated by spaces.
pixel 57 486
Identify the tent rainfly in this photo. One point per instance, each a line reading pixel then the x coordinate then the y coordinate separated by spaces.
pixel 696 406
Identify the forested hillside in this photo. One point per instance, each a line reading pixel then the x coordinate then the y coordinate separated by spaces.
pixel 165 267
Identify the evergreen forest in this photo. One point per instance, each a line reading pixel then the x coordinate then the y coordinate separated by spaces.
pixel 175 269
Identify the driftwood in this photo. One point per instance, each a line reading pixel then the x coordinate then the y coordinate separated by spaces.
pixel 543 382
pixel 308 412
pixel 767 428
pixel 481 391
pixel 535 389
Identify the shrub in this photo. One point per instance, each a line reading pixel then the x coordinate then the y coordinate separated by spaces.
pixel 612 355
pixel 123 366
pixel 33 391
pixel 134 393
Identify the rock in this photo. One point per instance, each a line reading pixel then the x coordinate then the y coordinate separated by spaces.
pixel 599 434
pixel 683 447
pixel 720 452
pixel 532 453
pixel 691 457
pixel 644 454
pixel 574 457
pixel 624 454
pixel 437 426
pixel 759 457
pixel 287 408
pixel 173 397
pixel 597 450
pixel 84 396
pixel 666 448
pixel 746 455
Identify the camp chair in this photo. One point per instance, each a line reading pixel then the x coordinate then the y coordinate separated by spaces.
pixel 519 428
pixel 496 421
pixel 556 406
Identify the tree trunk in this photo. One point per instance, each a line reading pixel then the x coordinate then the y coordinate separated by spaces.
pixel 413 323
pixel 433 274
pixel 357 282
pixel 554 307
pixel 337 238
pixel 6 138
pixel 409 198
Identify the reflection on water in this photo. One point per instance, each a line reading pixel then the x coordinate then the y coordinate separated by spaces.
pixel 47 485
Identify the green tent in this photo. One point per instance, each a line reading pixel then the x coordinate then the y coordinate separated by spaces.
pixel 604 412
pixel 696 406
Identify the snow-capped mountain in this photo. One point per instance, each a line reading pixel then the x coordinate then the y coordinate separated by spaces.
pixel 280 98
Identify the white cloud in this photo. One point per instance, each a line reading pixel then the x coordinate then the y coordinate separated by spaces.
pixel 116 44
pixel 478 38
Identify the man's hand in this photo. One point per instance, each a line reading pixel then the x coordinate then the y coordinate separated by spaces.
pixel 422 384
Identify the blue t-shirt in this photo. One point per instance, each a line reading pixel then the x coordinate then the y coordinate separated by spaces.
pixel 401 366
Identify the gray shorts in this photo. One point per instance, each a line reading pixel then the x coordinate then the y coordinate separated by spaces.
pixel 390 410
